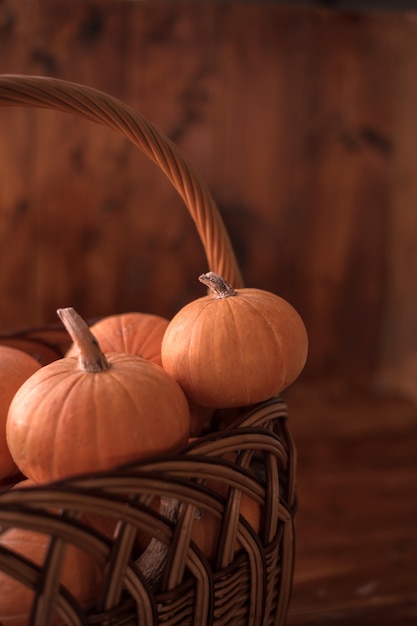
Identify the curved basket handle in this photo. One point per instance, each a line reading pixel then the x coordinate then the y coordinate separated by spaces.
pixel 99 107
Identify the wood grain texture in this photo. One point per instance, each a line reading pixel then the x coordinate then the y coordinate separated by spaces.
pixel 356 553
pixel 300 121
pixel 397 368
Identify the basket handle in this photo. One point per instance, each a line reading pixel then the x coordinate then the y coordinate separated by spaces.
pixel 99 107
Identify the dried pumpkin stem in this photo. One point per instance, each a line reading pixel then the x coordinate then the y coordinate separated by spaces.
pixel 218 285
pixel 90 357
pixel 151 562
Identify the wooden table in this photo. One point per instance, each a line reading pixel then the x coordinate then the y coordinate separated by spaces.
pixel 356 555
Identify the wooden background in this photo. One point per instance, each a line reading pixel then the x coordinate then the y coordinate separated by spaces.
pixel 303 123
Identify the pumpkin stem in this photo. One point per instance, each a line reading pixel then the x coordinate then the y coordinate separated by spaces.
pixel 90 357
pixel 152 561
pixel 218 285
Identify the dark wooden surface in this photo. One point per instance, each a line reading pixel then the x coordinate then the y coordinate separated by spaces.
pixel 356 554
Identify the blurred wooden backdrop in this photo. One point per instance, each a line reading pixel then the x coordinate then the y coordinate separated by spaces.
pixel 302 123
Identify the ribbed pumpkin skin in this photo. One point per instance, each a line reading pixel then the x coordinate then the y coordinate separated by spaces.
pixel 15 367
pixel 132 333
pixel 81 575
pixel 65 421
pixel 140 334
pixel 237 350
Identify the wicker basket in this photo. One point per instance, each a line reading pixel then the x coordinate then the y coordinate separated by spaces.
pixel 250 586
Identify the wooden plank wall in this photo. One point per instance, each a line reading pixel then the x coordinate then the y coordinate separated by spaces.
pixel 301 122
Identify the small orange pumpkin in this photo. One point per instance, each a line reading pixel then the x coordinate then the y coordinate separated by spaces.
pixel 206 529
pixel 141 334
pixel 234 348
pixel 91 412
pixel 15 367
pixel 81 575
pixel 133 333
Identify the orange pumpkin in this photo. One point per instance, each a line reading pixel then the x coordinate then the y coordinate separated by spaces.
pixel 15 367
pixel 141 334
pixel 234 348
pixel 133 333
pixel 206 529
pixel 81 575
pixel 87 413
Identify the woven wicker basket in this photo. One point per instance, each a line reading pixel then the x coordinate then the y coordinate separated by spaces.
pixel 250 586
